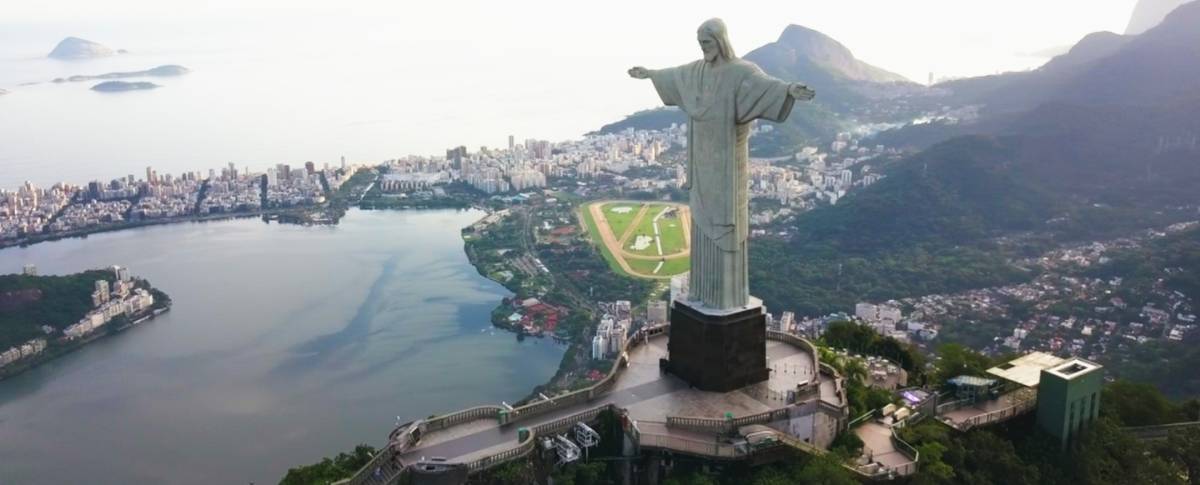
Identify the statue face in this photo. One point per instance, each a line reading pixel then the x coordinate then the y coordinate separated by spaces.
pixel 709 46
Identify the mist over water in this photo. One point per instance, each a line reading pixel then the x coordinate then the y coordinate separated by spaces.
pixel 271 93
pixel 285 344
pixel 298 80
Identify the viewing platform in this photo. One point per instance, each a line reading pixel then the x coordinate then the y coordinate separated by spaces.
pixel 803 402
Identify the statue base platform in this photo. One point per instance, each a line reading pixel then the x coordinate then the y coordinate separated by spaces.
pixel 719 351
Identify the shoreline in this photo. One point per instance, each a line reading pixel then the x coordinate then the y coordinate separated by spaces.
pixel 84 233
pixel 566 362
pixel 49 355
pixel 280 216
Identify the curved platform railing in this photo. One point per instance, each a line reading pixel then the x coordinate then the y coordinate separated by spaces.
pixel 523 448
pixel 467 415
pixel 386 459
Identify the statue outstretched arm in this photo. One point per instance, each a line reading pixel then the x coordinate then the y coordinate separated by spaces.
pixel 640 72
pixel 801 92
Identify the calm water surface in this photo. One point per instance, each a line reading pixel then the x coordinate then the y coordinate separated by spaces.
pixel 285 344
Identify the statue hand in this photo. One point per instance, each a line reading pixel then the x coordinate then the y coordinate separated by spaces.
pixel 801 92
pixel 639 73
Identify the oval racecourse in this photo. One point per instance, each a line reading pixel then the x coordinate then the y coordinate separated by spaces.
pixel 645 239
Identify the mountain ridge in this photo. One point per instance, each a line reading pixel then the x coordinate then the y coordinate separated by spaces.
pixel 827 52
pixel 1103 144
pixel 1149 13
pixel 1158 66
pixel 842 82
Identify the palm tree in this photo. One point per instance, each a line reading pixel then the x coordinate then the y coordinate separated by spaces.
pixel 854 369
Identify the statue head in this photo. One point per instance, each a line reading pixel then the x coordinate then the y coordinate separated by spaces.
pixel 714 41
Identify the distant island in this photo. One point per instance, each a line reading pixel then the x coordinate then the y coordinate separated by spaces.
pixel 3 92
pixel 121 86
pixel 72 48
pixel 160 71
pixel 43 317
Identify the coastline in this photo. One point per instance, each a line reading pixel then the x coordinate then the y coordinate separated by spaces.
pixel 326 213
pixel 569 363
pixel 57 351
pixel 84 233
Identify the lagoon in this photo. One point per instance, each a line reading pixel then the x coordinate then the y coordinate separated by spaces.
pixel 285 344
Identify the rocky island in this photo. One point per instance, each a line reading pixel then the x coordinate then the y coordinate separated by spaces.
pixel 168 70
pixel 121 86
pixel 72 48
pixel 43 317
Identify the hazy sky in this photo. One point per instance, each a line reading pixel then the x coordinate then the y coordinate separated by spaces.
pixel 296 80
pixel 948 37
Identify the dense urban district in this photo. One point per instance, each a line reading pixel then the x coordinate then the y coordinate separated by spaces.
pixel 619 163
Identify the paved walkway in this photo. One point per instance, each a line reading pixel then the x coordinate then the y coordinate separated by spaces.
pixel 877 438
pixel 648 394
pixel 974 415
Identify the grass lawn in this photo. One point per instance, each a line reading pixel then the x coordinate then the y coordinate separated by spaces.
pixel 645 228
pixel 644 266
pixel 675 266
pixel 619 222
pixel 670 229
pixel 598 241
pixel 671 267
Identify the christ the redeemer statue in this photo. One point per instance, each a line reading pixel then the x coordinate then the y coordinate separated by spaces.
pixel 721 95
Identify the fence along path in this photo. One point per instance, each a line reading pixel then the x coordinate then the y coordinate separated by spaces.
pixel 392 457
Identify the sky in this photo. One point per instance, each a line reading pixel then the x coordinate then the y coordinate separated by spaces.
pixel 912 38
pixel 296 80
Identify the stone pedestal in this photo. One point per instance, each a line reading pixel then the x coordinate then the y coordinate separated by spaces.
pixel 718 351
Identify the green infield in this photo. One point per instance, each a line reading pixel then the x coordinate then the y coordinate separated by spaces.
pixel 619 216
pixel 610 222
pixel 670 267
pixel 671 232
pixel 594 232
pixel 645 240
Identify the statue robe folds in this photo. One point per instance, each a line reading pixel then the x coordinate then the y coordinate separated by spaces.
pixel 721 101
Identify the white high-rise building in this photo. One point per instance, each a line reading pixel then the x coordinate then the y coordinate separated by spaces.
pixel 786 321
pixel 101 295
pixel 624 309
pixel 616 338
pixel 679 287
pixel 599 346
pixel 889 315
pixel 656 312
pixel 866 312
